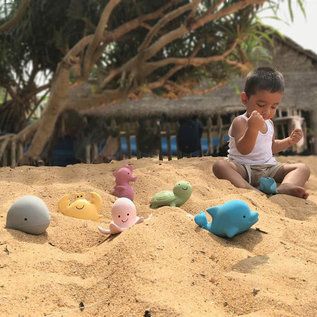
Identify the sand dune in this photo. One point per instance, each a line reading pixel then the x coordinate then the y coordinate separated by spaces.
pixel 166 266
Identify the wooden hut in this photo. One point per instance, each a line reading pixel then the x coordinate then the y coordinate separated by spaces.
pixel 216 109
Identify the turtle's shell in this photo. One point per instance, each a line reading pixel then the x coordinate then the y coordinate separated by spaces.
pixel 163 198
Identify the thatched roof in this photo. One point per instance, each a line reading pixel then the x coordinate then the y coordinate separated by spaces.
pixel 296 47
pixel 300 90
pixel 300 93
pixel 224 99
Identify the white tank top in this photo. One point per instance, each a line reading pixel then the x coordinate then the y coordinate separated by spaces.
pixel 262 151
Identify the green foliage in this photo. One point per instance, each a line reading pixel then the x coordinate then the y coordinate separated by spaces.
pixel 50 28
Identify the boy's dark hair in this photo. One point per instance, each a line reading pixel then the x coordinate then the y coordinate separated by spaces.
pixel 264 78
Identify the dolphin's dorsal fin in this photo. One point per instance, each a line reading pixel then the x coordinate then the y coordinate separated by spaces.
pixel 212 211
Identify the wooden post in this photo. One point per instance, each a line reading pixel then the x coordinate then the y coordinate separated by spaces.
pixel 121 154
pixel 137 141
pixel 13 154
pixel 3 152
pixel 169 148
pixel 5 158
pixel 94 152
pixel 209 135
pixel 159 127
pixel 179 152
pixel 220 133
pixel 87 153
pixel 20 151
pixel 128 144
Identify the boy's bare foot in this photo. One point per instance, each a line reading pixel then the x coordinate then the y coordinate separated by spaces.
pixel 293 190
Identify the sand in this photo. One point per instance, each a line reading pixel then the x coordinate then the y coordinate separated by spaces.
pixel 166 266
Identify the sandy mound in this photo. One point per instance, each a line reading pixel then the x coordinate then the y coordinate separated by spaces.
pixel 166 266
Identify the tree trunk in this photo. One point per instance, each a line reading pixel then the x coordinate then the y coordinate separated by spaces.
pixel 59 93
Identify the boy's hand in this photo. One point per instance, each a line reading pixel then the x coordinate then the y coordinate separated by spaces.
pixel 255 120
pixel 295 136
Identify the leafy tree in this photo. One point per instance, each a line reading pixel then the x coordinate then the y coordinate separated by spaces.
pixel 95 52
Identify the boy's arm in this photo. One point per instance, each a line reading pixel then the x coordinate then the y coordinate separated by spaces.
pixel 281 145
pixel 246 132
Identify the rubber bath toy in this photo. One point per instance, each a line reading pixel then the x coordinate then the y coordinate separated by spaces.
pixel 180 194
pixel 229 219
pixel 268 185
pixel 123 176
pixel 123 216
pixel 81 208
pixel 28 214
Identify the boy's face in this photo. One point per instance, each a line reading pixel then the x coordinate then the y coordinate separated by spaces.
pixel 263 101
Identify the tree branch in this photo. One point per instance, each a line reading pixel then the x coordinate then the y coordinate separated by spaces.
pixel 195 61
pixel 182 30
pixel 172 86
pixel 59 91
pixel 163 79
pixel 36 105
pixel 129 26
pixel 98 35
pixel 166 19
pixel 243 67
pixel 105 98
pixel 113 35
pixel 26 134
pixel 23 136
pixel 8 25
pixel 173 70
pixel 78 47
pixel 34 71
pixel 39 89
pixel 214 7
pixel 4 140
pixel 13 95
pixel 164 40
pixel 208 16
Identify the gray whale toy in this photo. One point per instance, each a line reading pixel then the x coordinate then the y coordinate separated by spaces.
pixel 28 214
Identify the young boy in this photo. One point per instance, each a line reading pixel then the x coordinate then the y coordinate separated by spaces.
pixel 252 143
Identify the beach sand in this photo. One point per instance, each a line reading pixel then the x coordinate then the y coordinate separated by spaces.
pixel 166 266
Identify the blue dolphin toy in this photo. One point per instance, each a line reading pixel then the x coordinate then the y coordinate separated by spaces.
pixel 268 185
pixel 229 219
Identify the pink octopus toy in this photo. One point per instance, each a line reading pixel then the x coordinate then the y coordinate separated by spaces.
pixel 123 216
pixel 123 176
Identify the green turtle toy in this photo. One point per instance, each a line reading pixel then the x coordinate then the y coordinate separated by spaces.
pixel 180 194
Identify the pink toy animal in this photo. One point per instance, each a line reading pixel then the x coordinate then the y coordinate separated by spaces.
pixel 123 216
pixel 123 176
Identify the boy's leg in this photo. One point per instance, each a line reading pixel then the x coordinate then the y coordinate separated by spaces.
pixel 292 178
pixel 224 169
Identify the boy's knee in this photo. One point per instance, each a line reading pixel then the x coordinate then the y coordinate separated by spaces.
pixel 304 169
pixel 219 167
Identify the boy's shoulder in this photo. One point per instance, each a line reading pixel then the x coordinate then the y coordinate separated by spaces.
pixel 238 125
pixel 242 119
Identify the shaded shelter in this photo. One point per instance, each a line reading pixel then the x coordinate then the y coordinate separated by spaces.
pixel 215 110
